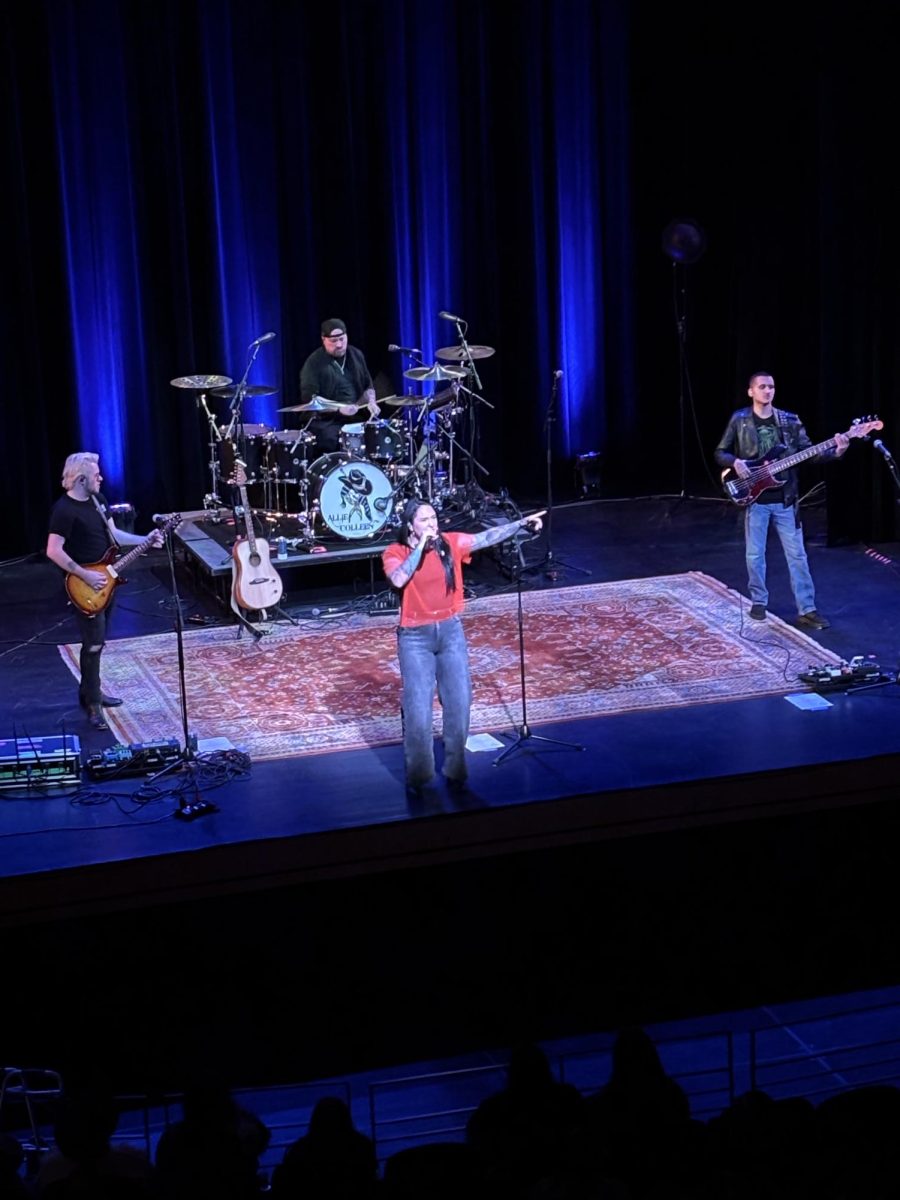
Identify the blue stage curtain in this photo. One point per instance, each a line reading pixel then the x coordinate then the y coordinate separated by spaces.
pixel 219 170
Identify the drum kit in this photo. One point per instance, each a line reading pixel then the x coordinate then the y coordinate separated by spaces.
pixel 357 491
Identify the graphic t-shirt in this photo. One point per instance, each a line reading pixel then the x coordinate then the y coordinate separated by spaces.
pixel 768 436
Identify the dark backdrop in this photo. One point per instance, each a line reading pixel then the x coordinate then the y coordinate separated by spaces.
pixel 183 177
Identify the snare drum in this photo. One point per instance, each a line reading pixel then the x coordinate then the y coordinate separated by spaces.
pixel 288 453
pixel 353 440
pixel 354 496
pixel 385 441
pixel 251 450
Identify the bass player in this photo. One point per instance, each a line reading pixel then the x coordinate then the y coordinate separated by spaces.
pixel 81 533
pixel 760 432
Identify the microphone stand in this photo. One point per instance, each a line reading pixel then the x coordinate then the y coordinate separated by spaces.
pixel 552 566
pixel 198 807
pixel 524 736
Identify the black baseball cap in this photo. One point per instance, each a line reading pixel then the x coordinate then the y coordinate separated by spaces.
pixel 333 327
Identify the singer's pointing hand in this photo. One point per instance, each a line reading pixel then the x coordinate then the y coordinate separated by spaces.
pixel 535 520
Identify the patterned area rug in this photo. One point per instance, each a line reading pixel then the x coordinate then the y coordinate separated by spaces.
pixel 590 651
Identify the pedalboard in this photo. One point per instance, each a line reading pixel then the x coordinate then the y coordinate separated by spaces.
pixel 858 672
pixel 140 758
pixel 39 761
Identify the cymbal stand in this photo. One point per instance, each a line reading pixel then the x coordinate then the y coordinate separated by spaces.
pixel 213 465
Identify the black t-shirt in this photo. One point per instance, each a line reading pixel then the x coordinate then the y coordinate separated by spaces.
pixel 768 435
pixel 84 531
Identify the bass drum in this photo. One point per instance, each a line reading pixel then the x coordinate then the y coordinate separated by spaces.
pixel 354 496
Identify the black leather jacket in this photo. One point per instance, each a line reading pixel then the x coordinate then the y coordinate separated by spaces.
pixel 740 441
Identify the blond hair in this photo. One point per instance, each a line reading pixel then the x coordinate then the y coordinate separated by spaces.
pixel 76 465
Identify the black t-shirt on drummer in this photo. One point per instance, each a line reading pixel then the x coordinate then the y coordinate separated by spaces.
pixel 82 528
pixel 340 380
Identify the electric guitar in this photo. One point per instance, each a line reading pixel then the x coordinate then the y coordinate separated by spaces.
pixel 89 601
pixel 747 490
pixel 255 584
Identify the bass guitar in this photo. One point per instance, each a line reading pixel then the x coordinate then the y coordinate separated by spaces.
pixel 255 584
pixel 90 601
pixel 765 472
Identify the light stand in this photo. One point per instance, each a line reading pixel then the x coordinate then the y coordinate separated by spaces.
pixel 683 242
pixel 549 564
pixel 524 737
pixel 198 807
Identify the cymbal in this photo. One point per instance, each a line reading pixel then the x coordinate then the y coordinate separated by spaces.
pixel 457 354
pixel 435 372
pixel 317 404
pixel 254 389
pixel 405 401
pixel 201 383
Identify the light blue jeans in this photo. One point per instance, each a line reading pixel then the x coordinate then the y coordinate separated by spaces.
pixel 432 656
pixel 757 520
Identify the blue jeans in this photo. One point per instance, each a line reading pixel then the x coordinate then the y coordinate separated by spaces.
pixel 434 655
pixel 757 520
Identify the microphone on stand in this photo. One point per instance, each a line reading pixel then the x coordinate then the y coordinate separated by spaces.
pixel 883 450
pixel 402 350
pixel 445 316
pixel 266 337
pixel 557 374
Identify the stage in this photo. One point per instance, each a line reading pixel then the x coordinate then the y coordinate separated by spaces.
pixel 328 855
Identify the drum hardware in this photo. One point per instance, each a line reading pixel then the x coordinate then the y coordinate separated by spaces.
pixel 202 384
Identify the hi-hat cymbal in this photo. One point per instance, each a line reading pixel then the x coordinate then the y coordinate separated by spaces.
pixel 435 372
pixel 457 354
pixel 317 404
pixel 253 389
pixel 201 383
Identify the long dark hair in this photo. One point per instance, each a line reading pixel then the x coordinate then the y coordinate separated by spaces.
pixel 406 519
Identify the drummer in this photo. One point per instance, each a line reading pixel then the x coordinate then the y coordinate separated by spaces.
pixel 337 371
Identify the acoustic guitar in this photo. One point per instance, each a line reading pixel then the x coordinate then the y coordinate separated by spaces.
pixel 255 584
pixel 90 601
pixel 764 473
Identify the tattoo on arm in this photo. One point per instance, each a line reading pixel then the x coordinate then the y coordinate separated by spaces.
pixel 499 533
pixel 404 573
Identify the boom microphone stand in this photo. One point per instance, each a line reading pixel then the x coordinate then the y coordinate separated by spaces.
pixel 524 736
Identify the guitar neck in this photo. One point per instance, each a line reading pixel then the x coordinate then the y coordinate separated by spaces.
pixel 793 460
pixel 248 523
pixel 129 558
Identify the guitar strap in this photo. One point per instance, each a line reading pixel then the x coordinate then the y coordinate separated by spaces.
pixel 105 519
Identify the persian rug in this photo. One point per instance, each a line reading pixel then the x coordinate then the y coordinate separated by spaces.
pixel 590 651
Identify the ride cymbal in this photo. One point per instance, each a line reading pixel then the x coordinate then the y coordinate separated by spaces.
pixel 457 354
pixel 201 383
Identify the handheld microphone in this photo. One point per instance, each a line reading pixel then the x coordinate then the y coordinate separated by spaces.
pixel 445 316
pixel 266 337
pixel 402 349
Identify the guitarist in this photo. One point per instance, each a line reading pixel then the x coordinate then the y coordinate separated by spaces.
pixel 761 432
pixel 81 531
